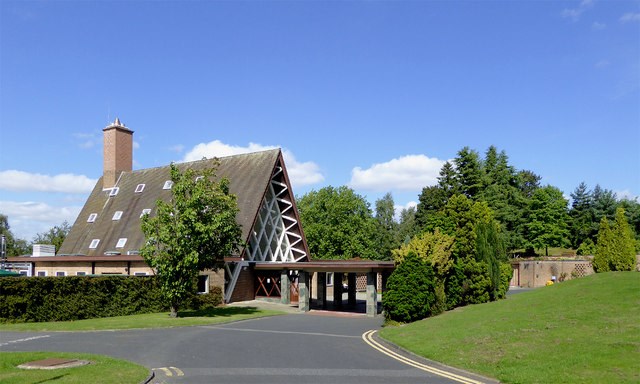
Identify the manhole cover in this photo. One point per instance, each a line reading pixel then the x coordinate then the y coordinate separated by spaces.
pixel 53 363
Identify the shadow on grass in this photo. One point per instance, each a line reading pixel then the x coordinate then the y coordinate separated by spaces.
pixel 219 312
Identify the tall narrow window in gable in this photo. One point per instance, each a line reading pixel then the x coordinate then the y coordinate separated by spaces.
pixel 167 184
pixel 94 243
pixel 92 218
pixel 117 215
pixel 139 188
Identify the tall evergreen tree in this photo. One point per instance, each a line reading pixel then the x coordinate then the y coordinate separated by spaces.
pixel 469 172
pixel 582 215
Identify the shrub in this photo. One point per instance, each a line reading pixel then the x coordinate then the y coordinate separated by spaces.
pixel 207 300
pixel 65 298
pixel 410 292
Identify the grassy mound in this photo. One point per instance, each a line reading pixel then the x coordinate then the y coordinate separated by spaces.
pixel 581 331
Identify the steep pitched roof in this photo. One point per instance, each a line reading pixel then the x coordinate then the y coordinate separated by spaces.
pixel 249 176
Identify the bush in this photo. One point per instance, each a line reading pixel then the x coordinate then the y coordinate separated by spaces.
pixel 411 291
pixel 207 300
pixel 65 298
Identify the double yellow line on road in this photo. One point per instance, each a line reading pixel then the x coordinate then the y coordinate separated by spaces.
pixel 368 338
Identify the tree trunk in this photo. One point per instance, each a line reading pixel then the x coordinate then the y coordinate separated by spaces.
pixel 546 250
pixel 174 311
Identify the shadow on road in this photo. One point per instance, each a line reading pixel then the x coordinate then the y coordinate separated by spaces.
pixel 218 312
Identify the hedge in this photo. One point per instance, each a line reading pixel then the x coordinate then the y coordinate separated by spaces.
pixel 58 298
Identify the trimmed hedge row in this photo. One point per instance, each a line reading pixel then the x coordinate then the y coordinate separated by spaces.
pixel 65 298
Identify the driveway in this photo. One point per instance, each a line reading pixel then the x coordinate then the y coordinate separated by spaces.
pixel 296 348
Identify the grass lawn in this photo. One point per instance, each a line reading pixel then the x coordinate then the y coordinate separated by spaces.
pixel 102 370
pixel 149 320
pixel 585 330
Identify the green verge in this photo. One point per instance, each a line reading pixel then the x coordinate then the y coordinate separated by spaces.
pixel 149 320
pixel 102 370
pixel 581 331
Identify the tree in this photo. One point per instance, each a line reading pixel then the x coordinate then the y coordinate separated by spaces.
pixel 407 225
pixel 615 250
pixel 387 226
pixel 15 246
pixel 55 236
pixel 338 224
pixel 604 205
pixel 582 215
pixel 191 232
pixel 547 218
pixel 469 172
pixel 410 293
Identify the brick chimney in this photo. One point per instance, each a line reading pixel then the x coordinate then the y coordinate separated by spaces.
pixel 118 152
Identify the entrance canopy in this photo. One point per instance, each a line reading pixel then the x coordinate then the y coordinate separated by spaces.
pixel 339 268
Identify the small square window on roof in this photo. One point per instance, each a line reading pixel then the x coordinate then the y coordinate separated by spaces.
pixel 92 218
pixel 167 184
pixel 114 191
pixel 94 243
pixel 117 215
pixel 146 211
pixel 139 188
pixel 121 242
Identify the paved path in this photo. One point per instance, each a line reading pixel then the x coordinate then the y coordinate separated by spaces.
pixel 295 348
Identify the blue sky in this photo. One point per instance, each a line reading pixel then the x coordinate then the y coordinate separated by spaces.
pixel 375 95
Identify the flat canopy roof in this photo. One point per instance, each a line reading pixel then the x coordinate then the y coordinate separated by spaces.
pixel 331 266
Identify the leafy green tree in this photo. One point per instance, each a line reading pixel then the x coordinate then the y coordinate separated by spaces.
pixel 338 224
pixel 410 293
pixel 632 212
pixel 407 225
pixel 587 247
pixel 547 219
pixel 54 236
pixel 615 250
pixel 431 200
pixel 490 250
pixel 528 182
pixel 192 232
pixel 14 246
pixel 387 226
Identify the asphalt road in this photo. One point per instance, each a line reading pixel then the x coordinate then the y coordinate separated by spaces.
pixel 297 348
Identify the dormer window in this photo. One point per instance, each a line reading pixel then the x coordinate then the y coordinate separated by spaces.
pixel 117 215
pixel 114 191
pixel 167 184
pixel 121 242
pixel 145 211
pixel 94 243
pixel 139 188
pixel 92 218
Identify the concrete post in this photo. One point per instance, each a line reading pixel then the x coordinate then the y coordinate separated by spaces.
pixel 372 294
pixel 303 288
pixel 337 290
pixel 285 287
pixel 322 289
pixel 351 295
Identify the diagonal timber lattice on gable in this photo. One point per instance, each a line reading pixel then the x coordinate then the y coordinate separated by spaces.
pixel 275 236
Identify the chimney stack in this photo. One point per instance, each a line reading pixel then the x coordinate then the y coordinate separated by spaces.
pixel 118 152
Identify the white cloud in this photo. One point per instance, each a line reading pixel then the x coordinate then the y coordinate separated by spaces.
pixel 598 26
pixel 19 181
pixel 630 17
pixel 575 13
pixel 409 173
pixel 88 140
pixel 300 173
pixel 626 194
pixel 178 148
pixel 30 218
